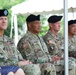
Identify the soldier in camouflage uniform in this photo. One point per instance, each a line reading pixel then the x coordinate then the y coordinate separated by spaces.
pixel 72 40
pixel 9 55
pixel 52 38
pixel 55 42
pixel 33 48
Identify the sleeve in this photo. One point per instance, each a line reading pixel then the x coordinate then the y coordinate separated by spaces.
pixel 26 50
pixel 20 58
pixel 20 48
pixel 71 48
pixel 50 45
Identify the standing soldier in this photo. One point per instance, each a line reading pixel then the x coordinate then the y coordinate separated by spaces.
pixel 33 48
pixel 10 56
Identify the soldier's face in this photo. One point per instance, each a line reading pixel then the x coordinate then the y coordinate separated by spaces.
pixel 35 27
pixel 3 22
pixel 56 26
pixel 72 29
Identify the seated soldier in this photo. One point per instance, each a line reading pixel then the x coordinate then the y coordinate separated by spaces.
pixel 33 48
pixel 10 57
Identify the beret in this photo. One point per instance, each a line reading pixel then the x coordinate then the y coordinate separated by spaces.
pixel 32 18
pixel 54 18
pixel 70 22
pixel 3 12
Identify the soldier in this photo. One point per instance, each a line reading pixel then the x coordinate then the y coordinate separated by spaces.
pixel 54 40
pixel 55 43
pixel 71 38
pixel 33 48
pixel 10 58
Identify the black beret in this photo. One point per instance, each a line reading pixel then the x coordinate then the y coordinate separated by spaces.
pixel 3 12
pixel 54 18
pixel 70 22
pixel 32 18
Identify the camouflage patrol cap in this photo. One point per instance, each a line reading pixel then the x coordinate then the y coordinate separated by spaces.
pixel 54 18
pixel 71 22
pixel 3 12
pixel 32 18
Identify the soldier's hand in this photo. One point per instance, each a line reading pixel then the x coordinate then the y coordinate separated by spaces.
pixel 55 58
pixel 25 62
pixel 21 63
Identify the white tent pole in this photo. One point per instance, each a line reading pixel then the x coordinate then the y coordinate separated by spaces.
pixel 16 29
pixel 11 26
pixel 66 34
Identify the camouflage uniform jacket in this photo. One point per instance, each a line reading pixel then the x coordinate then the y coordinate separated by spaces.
pixel 8 52
pixel 35 48
pixel 72 47
pixel 71 44
pixel 54 49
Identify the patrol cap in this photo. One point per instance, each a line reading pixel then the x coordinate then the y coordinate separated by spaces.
pixel 3 12
pixel 70 22
pixel 32 18
pixel 54 18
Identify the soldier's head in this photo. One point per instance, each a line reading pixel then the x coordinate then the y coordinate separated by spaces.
pixel 54 22
pixel 3 19
pixel 71 28
pixel 33 23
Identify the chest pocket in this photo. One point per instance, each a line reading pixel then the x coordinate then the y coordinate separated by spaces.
pixel 38 48
pixel 35 44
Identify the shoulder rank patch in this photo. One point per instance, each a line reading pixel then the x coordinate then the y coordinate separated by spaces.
pixel 51 42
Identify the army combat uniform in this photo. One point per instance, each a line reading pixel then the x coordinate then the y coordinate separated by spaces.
pixel 72 49
pixel 33 48
pixel 57 48
pixel 9 55
pixel 54 49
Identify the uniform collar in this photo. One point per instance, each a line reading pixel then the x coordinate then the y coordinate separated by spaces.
pixel 49 31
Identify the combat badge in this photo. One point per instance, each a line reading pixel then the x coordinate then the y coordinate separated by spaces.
pixel 51 42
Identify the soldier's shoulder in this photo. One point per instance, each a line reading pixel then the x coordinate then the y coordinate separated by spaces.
pixel 47 37
pixel 24 38
pixel 60 35
pixel 8 38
